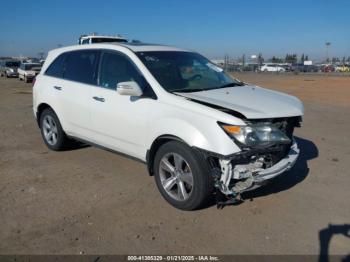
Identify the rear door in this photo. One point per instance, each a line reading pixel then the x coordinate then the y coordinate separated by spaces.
pixel 79 76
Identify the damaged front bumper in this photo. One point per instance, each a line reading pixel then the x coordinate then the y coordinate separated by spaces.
pixel 282 166
pixel 238 178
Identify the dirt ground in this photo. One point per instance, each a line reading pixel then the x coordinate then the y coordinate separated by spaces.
pixel 89 201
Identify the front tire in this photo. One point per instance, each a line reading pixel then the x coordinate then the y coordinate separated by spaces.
pixel 182 176
pixel 51 131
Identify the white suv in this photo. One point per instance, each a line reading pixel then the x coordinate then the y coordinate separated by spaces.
pixel 201 132
pixel 28 71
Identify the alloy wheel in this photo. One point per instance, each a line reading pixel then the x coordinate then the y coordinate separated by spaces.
pixel 50 130
pixel 176 176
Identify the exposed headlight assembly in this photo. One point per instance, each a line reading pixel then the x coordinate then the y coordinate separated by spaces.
pixel 258 134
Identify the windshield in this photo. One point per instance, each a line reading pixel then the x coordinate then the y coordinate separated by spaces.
pixel 12 64
pixel 32 67
pixel 185 71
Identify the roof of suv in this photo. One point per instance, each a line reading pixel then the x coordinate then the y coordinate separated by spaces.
pixel 139 47
pixel 135 47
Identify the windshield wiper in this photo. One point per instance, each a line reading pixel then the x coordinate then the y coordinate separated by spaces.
pixel 230 85
pixel 189 90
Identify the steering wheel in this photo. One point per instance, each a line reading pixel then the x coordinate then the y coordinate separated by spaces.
pixel 195 77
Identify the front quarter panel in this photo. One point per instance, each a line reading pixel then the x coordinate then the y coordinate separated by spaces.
pixel 196 130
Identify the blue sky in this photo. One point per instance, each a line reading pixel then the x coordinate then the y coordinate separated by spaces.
pixel 214 28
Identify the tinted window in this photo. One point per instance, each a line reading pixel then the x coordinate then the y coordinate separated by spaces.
pixel 56 67
pixel 106 40
pixel 12 64
pixel 116 68
pixel 80 66
pixel 31 66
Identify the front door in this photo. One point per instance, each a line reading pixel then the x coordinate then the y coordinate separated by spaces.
pixel 120 122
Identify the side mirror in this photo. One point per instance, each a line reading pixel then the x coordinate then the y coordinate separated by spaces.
pixel 129 88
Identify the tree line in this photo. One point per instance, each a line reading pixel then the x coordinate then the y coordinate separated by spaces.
pixel 293 58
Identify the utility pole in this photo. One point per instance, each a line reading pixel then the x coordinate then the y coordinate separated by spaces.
pixel 328 44
pixel 226 62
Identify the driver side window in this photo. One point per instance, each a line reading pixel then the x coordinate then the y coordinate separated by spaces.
pixel 116 68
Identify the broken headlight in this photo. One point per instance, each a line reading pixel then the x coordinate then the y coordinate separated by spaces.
pixel 258 134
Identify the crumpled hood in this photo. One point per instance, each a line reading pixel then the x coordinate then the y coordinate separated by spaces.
pixel 251 101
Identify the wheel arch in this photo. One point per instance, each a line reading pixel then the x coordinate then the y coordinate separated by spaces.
pixel 157 143
pixel 40 110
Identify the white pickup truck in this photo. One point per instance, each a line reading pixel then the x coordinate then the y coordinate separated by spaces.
pixel 94 39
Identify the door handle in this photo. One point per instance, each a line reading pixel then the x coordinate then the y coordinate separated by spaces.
pixel 99 99
pixel 58 87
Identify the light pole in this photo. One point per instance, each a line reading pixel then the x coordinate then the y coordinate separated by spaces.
pixel 328 44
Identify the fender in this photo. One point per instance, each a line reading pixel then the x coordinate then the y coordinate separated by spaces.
pixel 194 135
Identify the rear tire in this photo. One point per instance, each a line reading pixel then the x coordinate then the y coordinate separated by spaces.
pixel 176 167
pixel 51 131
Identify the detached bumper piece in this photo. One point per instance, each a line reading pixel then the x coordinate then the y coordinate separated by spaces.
pixel 237 178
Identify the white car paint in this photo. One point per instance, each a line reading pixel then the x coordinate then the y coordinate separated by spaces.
pixel 263 103
pixel 23 73
pixel 89 39
pixel 272 68
pixel 131 124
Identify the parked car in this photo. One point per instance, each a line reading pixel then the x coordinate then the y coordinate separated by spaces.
pixel 288 68
pixel 328 68
pixel 305 68
pixel 272 68
pixel 343 68
pixel 27 71
pixel 93 39
pixel 196 128
pixel 9 68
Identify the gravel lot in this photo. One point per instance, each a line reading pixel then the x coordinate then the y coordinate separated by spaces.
pixel 95 202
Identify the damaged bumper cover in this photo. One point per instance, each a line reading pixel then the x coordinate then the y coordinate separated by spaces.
pixel 235 177
pixel 280 167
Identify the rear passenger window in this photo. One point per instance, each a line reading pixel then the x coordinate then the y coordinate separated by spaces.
pixel 56 67
pixel 80 66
